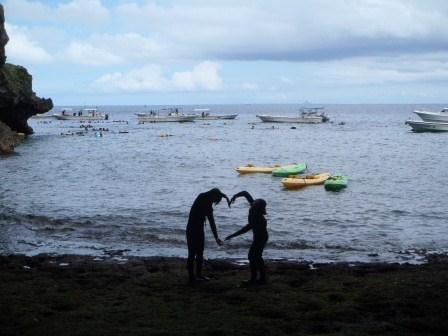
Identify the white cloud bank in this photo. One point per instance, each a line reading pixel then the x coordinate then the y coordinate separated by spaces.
pixel 306 30
pixel 204 76
pixel 23 49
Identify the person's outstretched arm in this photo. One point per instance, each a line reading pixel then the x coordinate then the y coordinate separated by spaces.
pixel 248 227
pixel 211 221
pixel 243 193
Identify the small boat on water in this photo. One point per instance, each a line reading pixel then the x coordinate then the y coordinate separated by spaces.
pixel 204 114
pixel 427 126
pixel 336 182
pixel 294 182
pixel 440 116
pixel 307 115
pixel 250 168
pixel 86 114
pixel 43 116
pixel 287 170
pixel 164 115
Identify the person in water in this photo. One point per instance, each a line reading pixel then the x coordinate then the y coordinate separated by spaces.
pixel 201 210
pixel 258 225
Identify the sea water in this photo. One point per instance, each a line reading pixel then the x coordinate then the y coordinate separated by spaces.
pixel 107 192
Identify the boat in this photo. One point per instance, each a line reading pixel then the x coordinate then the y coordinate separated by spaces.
pixel 289 170
pixel 427 126
pixel 294 182
pixel 440 116
pixel 42 116
pixel 86 114
pixel 307 115
pixel 165 115
pixel 336 182
pixel 204 114
pixel 250 168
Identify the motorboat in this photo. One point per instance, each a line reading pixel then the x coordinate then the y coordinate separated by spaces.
pixel 43 116
pixel 427 126
pixel 204 114
pixel 440 116
pixel 307 115
pixel 86 114
pixel 165 115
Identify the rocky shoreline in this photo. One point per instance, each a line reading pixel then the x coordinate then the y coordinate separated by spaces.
pixel 18 101
pixel 84 295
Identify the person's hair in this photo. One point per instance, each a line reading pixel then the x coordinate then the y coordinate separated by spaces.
pixel 216 194
pixel 259 206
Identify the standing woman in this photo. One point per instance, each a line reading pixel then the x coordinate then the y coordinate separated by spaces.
pixel 201 210
pixel 257 223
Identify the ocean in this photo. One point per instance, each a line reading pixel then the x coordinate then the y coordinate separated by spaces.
pixel 123 194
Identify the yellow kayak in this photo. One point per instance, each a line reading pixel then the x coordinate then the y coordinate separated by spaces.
pixel 293 182
pixel 250 168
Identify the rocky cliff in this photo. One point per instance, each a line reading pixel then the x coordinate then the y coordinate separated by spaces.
pixel 18 102
pixel 8 139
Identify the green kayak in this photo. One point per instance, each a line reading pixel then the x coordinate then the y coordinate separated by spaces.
pixel 285 171
pixel 336 182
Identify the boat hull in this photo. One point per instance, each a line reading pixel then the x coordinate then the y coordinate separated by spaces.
pixel 336 183
pixel 254 169
pixel 297 182
pixel 289 119
pixel 80 118
pixel 289 170
pixel 156 119
pixel 432 116
pixel 217 117
pixel 427 126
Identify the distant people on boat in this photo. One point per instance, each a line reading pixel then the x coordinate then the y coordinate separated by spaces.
pixel 201 210
pixel 258 225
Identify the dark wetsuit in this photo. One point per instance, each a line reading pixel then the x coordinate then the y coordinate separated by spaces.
pixel 200 210
pixel 258 225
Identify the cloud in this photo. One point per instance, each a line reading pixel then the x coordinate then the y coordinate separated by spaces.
pixel 204 76
pixel 87 54
pixel 108 49
pixel 282 30
pixel 83 14
pixel 26 10
pixel 292 31
pixel 147 79
pixel 431 67
pixel 22 49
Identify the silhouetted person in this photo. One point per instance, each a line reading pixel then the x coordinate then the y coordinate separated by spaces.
pixel 201 210
pixel 258 225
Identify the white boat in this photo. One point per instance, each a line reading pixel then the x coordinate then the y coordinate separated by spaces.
pixel 43 116
pixel 173 115
pixel 441 116
pixel 86 114
pixel 204 114
pixel 427 126
pixel 308 115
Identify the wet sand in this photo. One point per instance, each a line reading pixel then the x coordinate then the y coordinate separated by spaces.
pixel 78 295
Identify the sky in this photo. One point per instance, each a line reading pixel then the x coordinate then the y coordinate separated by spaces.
pixel 148 52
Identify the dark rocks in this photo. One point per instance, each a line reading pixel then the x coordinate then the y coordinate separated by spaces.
pixel 8 139
pixel 3 36
pixel 18 102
